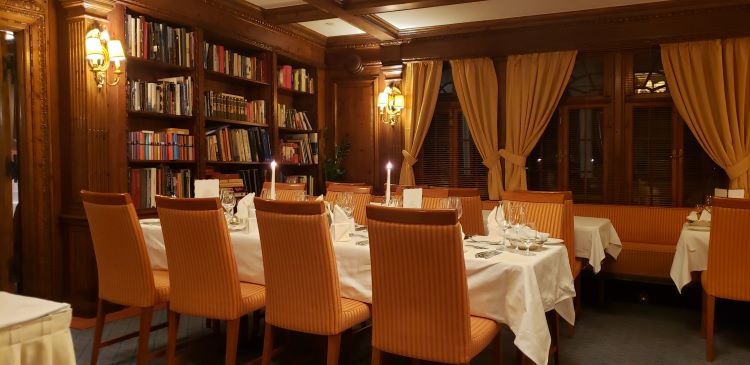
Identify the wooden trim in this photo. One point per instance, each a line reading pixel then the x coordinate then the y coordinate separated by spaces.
pixel 362 7
pixel 380 30
pixel 106 198
pixel 349 188
pixel 535 196
pixel 734 203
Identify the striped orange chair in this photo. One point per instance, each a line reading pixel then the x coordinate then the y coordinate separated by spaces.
pixel 727 275
pixel 124 269
pixel 330 183
pixel 302 280
pixel 435 198
pixel 285 191
pixel 420 303
pixel 471 218
pixel 203 269
pixel 360 197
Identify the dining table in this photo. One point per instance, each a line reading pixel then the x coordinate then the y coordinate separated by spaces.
pixel 691 254
pixel 594 238
pixel 503 284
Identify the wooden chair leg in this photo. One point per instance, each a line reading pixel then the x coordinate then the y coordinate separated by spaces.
pixel 233 332
pixel 173 320
pixel 376 356
pixel 98 331
pixel 703 314
pixel 147 314
pixel 267 345
pixel 334 347
pixel 710 307
pixel 555 332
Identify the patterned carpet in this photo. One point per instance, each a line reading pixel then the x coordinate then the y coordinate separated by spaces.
pixel 643 327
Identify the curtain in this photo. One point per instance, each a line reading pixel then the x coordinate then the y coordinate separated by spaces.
pixel 476 85
pixel 421 88
pixel 709 84
pixel 534 84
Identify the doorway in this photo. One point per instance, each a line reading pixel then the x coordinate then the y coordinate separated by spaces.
pixel 10 115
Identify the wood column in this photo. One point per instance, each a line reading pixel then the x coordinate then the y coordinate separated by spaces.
pixel 86 125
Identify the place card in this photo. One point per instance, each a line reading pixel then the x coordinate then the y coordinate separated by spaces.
pixel 412 198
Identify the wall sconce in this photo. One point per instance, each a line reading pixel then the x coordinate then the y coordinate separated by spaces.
pixel 390 104
pixel 100 51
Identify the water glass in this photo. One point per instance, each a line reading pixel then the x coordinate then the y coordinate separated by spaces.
pixel 530 236
pixel 454 202
pixel 227 202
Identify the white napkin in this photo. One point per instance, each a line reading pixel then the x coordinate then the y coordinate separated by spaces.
pixel 412 198
pixel 495 222
pixel 342 225
pixel 705 216
pixel 736 193
pixel 207 188
pixel 320 198
pixel 693 216
pixel 246 206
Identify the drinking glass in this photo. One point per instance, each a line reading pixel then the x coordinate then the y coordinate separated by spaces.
pixel 519 220
pixel 707 205
pixel 507 222
pixel 395 201
pixel 454 202
pixel 228 201
pixel 345 201
pixel 530 236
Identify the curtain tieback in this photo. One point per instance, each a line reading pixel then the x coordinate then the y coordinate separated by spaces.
pixel 739 168
pixel 408 158
pixel 515 159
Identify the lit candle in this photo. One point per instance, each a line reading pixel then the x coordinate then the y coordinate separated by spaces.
pixel 273 180
pixel 388 167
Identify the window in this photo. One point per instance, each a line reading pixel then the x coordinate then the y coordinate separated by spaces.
pixel 626 145
pixel 449 157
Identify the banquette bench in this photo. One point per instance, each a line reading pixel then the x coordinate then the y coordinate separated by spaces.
pixel 649 236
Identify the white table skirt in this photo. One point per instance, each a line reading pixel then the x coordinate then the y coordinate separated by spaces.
pixel 594 238
pixel 508 288
pixel 691 254
pixel 35 331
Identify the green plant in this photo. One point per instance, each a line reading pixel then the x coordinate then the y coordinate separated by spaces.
pixel 334 167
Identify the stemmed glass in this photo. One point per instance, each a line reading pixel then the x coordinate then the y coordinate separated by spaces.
pixel 454 202
pixel 519 221
pixel 345 201
pixel 529 237
pixel 228 201
pixel 507 222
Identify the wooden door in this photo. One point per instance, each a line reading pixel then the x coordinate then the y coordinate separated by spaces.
pixel 8 113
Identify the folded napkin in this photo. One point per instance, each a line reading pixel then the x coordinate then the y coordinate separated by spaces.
pixel 207 188
pixel 342 225
pixel 495 223
pixel 705 216
pixel 320 198
pixel 246 206
pixel 412 198
pixel 693 216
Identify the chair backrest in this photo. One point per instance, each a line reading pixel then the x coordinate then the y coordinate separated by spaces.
pixel 420 304
pixel 202 268
pixel 472 221
pixel 551 211
pixel 435 198
pixel 361 196
pixel 122 262
pixel 302 282
pixel 728 274
pixel 330 183
pixel 285 191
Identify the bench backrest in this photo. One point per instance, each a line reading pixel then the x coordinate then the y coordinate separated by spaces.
pixel 633 223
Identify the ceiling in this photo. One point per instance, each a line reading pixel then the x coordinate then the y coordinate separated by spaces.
pixel 384 19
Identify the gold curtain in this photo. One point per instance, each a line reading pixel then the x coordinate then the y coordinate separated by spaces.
pixel 476 85
pixel 709 84
pixel 421 88
pixel 534 84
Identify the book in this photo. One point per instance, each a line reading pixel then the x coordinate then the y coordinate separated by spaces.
pixel 155 41
pixel 171 95
pixel 234 107
pixel 147 145
pixel 146 183
pixel 220 59
pixel 237 145
pixel 297 79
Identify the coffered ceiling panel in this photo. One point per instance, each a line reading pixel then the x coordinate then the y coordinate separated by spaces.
pixel 273 4
pixel 332 27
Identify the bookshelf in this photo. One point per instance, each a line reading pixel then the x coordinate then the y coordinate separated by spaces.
pixel 229 92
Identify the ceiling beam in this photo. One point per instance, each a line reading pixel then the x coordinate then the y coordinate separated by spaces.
pixel 363 7
pixel 379 30
pixel 294 14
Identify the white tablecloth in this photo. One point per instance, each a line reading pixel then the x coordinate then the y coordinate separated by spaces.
pixel 691 254
pixel 34 331
pixel 594 237
pixel 508 288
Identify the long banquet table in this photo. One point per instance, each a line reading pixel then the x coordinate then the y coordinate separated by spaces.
pixel 691 254
pixel 509 288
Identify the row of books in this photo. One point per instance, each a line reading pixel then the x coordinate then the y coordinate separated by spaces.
pixel 297 79
pixel 146 183
pixel 242 182
pixel 292 118
pixel 302 179
pixel 170 144
pixel 300 148
pixel 171 95
pixel 238 144
pixel 158 42
pixel 220 59
pixel 234 107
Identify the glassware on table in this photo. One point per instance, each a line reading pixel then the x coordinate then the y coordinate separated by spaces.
pixel 228 201
pixel 707 204
pixel 454 202
pixel 529 237
pixel 507 222
pixel 346 202
pixel 395 201
pixel 519 220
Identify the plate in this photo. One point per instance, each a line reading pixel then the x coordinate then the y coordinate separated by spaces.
pixel 151 221
pixel 236 227
pixel 553 241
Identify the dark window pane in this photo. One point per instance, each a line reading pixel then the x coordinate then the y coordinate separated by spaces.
pixel 585 158
pixel 652 156
pixel 541 165
pixel 587 77
pixel 648 72
pixel 700 173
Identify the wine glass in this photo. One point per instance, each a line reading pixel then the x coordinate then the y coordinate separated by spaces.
pixel 454 202
pixel 345 201
pixel 507 222
pixel 228 201
pixel 707 205
pixel 519 221
pixel 395 201
pixel 529 237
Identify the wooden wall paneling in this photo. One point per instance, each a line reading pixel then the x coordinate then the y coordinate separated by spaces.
pixel 6 181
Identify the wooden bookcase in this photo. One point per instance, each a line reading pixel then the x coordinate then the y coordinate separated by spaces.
pixel 266 88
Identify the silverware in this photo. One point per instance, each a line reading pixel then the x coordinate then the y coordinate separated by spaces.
pixel 362 243
pixel 477 247
pixel 487 254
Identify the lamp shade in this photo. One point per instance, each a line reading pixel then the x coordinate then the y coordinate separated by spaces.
pixel 398 102
pixel 382 99
pixel 115 50
pixel 94 49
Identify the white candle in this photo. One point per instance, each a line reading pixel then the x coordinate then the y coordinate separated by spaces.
pixel 389 166
pixel 273 180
